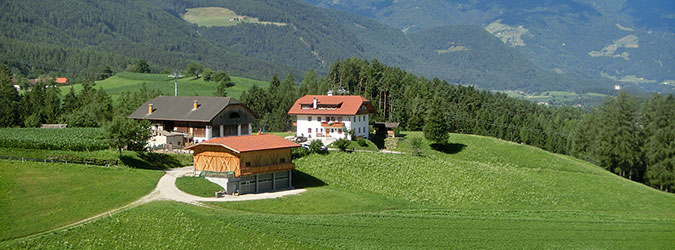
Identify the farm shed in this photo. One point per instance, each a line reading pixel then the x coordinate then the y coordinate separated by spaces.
pixel 246 164
pixel 386 128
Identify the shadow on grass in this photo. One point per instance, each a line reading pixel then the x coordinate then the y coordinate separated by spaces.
pixel 303 180
pixel 154 161
pixel 448 148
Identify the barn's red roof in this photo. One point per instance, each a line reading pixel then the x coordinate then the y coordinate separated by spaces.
pixel 247 143
pixel 61 80
pixel 340 105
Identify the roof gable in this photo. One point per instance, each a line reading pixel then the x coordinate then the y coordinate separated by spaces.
pixel 180 108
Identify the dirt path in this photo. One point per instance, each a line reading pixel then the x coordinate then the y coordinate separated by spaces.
pixel 166 190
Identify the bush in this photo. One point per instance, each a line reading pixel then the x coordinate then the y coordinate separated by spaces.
pixel 416 144
pixel 362 142
pixel 300 152
pixel 316 146
pixel 342 144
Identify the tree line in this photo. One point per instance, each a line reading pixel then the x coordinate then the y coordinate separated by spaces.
pixel 630 136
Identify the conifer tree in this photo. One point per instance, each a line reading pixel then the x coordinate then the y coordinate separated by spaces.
pixel 435 124
pixel 9 101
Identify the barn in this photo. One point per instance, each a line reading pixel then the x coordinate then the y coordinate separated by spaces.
pixel 246 164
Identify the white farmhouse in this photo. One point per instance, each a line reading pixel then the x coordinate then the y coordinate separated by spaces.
pixel 331 116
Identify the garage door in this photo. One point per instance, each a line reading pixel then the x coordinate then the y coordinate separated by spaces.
pixel 281 180
pixel 264 182
pixel 247 185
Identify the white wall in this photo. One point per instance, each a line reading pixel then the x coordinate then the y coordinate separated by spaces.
pixel 351 122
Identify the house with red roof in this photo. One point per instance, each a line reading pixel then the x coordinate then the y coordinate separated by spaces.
pixel 331 116
pixel 246 164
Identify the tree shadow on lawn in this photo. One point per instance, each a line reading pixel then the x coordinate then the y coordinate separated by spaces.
pixel 448 148
pixel 303 180
pixel 153 161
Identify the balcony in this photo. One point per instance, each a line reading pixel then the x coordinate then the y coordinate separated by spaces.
pixel 265 169
pixel 333 124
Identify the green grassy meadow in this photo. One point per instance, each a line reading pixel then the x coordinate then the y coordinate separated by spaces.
pixel 216 16
pixel 354 145
pixel 476 192
pixel 127 81
pixel 40 196
pixel 197 186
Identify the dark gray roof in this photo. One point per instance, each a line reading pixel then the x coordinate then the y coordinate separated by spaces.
pixel 179 108
pixel 386 124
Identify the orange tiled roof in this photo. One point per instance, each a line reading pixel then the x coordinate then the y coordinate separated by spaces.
pixel 247 143
pixel 61 80
pixel 347 105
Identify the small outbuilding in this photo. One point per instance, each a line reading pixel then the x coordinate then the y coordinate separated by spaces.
pixel 246 164
pixel 386 128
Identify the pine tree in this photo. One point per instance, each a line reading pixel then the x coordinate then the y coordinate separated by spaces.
pixel 435 124
pixel 619 144
pixel 659 147
pixel 9 101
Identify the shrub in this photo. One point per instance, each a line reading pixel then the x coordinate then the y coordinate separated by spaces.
pixel 416 144
pixel 342 144
pixel 362 142
pixel 316 146
pixel 300 152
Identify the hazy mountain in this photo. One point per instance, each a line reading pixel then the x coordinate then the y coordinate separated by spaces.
pixel 291 37
pixel 626 41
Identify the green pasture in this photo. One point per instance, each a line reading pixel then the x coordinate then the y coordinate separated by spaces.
pixel 197 186
pixel 473 193
pixel 189 86
pixel 40 196
pixel 216 16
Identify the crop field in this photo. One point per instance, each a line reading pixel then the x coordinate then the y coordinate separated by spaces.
pixel 77 139
pixel 216 16
pixel 197 186
pixel 477 192
pixel 126 81
pixel 41 196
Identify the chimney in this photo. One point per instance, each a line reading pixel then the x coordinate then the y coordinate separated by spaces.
pixel 150 108
pixel 315 102
pixel 330 93
pixel 195 105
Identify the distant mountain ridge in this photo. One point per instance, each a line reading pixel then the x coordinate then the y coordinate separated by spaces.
pixel 101 33
pixel 585 37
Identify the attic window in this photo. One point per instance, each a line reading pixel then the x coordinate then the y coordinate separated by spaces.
pixel 305 106
pixel 234 115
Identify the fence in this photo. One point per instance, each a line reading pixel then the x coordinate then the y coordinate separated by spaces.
pixel 85 162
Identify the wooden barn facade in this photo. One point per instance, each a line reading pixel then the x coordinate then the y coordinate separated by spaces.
pixel 246 164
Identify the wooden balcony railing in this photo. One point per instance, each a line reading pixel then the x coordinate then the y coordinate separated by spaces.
pixel 332 124
pixel 266 169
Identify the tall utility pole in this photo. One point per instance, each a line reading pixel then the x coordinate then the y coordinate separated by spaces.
pixel 175 76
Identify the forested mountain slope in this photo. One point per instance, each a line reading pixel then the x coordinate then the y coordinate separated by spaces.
pixel 625 41
pixel 75 36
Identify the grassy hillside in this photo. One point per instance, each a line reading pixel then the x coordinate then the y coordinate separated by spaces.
pixel 126 81
pixel 41 196
pixel 476 193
